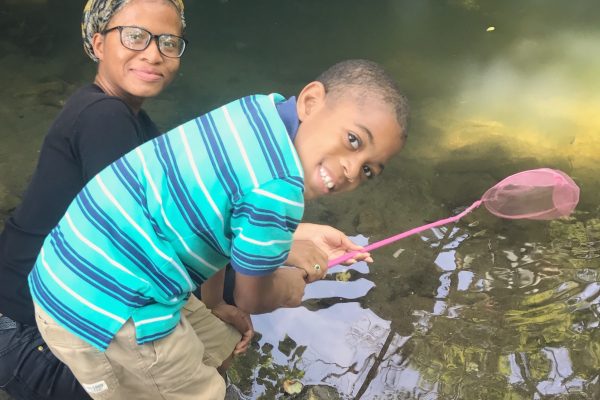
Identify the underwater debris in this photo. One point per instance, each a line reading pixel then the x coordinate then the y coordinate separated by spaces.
pixel 343 276
pixel 292 386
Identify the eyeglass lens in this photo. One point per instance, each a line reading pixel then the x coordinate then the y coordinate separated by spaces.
pixel 135 38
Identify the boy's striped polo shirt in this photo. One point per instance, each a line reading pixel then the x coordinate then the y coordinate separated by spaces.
pixel 155 224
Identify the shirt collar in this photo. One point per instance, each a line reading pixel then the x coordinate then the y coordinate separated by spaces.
pixel 289 115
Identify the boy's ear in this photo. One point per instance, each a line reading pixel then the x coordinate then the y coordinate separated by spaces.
pixel 98 45
pixel 310 98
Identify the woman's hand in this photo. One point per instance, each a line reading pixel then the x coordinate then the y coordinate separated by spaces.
pixel 238 319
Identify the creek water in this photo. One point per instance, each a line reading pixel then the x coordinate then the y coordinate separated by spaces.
pixel 483 309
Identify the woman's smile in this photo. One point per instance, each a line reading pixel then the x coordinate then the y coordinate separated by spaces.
pixel 147 75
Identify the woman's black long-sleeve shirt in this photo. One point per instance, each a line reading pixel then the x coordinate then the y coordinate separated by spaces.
pixel 91 131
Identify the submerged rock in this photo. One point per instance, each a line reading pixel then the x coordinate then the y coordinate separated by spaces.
pixel 369 222
pixel 320 392
pixel 51 93
pixel 297 391
pixel 292 386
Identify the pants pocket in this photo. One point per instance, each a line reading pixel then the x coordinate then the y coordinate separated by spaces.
pixel 90 366
pixel 177 366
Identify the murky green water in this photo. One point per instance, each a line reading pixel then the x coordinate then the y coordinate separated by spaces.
pixel 485 309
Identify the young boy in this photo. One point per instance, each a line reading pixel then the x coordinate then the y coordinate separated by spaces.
pixel 112 284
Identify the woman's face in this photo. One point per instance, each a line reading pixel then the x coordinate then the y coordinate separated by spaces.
pixel 136 75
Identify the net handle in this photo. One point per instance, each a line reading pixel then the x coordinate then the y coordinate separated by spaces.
pixel 402 235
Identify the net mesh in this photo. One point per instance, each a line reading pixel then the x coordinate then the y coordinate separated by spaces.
pixel 535 194
pixel 541 194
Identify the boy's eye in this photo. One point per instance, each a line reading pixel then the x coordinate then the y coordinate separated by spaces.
pixel 354 140
pixel 367 171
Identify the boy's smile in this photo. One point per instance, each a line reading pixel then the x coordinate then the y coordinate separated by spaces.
pixel 345 141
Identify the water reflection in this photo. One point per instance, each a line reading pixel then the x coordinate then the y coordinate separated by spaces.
pixel 341 342
pixel 530 329
pixel 508 319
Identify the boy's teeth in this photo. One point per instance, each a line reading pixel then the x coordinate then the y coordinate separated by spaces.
pixel 326 178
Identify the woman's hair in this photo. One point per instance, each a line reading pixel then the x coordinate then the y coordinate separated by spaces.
pixel 97 14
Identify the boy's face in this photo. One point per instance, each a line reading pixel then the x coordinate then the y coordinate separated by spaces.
pixel 344 142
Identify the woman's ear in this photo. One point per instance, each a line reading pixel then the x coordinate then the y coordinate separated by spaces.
pixel 98 45
pixel 310 99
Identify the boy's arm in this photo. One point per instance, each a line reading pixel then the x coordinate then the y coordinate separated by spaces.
pixel 259 294
pixel 263 222
pixel 309 253
pixel 313 245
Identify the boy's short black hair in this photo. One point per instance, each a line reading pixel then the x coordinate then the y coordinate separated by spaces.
pixel 367 78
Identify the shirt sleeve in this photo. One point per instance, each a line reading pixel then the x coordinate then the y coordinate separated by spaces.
pixel 105 131
pixel 262 223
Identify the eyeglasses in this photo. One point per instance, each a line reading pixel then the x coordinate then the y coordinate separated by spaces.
pixel 138 39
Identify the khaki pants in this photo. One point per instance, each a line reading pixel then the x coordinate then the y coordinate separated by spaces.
pixel 180 366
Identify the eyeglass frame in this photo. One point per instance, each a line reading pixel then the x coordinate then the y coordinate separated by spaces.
pixel 156 38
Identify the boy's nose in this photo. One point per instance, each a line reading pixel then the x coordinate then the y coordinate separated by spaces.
pixel 351 171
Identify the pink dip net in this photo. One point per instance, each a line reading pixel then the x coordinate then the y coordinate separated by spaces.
pixel 541 194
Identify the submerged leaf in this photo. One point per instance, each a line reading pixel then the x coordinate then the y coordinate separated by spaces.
pixel 343 276
pixel 292 386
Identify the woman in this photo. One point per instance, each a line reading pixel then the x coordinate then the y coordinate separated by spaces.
pixel 138 56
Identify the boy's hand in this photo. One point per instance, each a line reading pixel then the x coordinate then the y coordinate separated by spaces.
pixel 239 320
pixel 331 241
pixel 306 255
